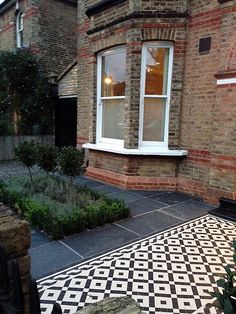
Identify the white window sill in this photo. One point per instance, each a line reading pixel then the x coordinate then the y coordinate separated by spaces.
pixel 154 151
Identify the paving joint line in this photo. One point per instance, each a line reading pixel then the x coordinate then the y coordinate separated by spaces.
pixel 71 249
pixel 160 209
pixel 139 235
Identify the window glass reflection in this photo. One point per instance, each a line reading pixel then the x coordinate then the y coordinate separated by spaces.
pixel 113 74
pixel 156 71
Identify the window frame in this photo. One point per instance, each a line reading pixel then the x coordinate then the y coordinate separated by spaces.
pixel 157 44
pixel 99 121
pixel 19 30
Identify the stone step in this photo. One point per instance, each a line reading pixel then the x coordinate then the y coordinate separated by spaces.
pixel 123 305
pixel 227 209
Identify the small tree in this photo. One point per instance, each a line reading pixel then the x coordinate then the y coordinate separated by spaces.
pixel 26 152
pixel 70 161
pixel 47 157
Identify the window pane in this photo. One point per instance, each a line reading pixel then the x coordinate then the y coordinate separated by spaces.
pixel 154 119
pixel 156 71
pixel 113 118
pixel 113 74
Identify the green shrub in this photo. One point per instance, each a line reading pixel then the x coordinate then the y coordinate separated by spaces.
pixel 226 298
pixel 25 95
pixel 47 157
pixel 58 207
pixel 26 152
pixel 70 161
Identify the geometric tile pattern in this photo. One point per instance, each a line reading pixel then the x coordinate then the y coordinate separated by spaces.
pixel 169 272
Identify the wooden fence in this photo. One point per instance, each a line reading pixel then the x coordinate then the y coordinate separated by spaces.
pixel 8 143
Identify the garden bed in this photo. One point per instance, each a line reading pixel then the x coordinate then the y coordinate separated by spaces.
pixel 58 207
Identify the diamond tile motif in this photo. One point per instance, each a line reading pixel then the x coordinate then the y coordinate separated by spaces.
pixel 169 272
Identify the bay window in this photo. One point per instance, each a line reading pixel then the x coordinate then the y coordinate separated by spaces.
pixel 155 91
pixel 111 96
pixel 156 72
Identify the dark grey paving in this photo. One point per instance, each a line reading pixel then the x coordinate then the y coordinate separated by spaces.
pixel 144 205
pixel 107 189
pixel 98 240
pixel 37 239
pixel 171 198
pixel 188 209
pixel 147 193
pixel 81 180
pixel 126 196
pixel 50 258
pixel 149 223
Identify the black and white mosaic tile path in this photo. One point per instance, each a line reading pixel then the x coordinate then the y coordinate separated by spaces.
pixel 169 272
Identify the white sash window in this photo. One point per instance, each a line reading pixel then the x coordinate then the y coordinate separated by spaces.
pixel 111 96
pixel 156 73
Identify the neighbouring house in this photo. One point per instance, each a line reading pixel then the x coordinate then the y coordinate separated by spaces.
pixel 66 108
pixel 157 94
pixel 48 28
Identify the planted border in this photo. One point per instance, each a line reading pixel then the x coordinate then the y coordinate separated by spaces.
pixel 58 207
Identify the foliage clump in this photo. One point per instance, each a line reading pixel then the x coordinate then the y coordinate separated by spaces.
pixel 70 161
pixel 26 152
pixel 26 105
pixel 226 297
pixel 58 207
pixel 47 157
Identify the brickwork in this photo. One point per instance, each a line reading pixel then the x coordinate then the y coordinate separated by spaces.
pixel 132 182
pixel 7 26
pixel 144 166
pixel 57 34
pixel 208 111
pixel 49 30
pixel 67 82
pixel 202 113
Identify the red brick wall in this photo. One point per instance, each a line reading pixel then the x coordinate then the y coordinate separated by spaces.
pixel 208 112
pixel 202 113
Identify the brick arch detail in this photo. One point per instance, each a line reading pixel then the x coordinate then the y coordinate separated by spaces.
pixel 109 41
pixel 159 33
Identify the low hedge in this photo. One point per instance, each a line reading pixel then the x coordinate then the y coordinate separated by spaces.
pixel 58 207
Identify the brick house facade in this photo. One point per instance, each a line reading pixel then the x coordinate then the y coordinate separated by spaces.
pixel 157 93
pixel 48 28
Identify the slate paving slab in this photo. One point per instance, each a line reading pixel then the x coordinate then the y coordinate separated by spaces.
pixel 126 196
pixel 171 198
pixel 107 189
pixel 37 239
pixel 188 209
pixel 89 243
pixel 149 223
pixel 51 257
pixel 143 206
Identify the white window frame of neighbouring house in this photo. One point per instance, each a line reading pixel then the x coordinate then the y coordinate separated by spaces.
pixel 19 29
pixel 163 96
pixel 161 99
pixel 104 101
